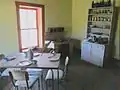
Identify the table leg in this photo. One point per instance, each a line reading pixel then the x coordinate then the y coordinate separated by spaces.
pixel 52 80
pixel 42 80
pixel 58 77
pixel 46 85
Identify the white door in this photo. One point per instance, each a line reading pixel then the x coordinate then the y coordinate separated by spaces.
pixel 85 51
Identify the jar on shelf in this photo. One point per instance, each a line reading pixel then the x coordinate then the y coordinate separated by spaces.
pixel 105 19
pixel 109 19
pixel 99 18
pixel 90 18
pixel 109 3
pixel 99 12
pixel 93 4
pixel 102 3
pixel 102 18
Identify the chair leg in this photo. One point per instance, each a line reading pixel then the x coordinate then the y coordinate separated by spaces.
pixel 42 80
pixel 58 77
pixel 46 85
pixel 52 80
pixel 25 88
pixel 49 83
pixel 16 88
pixel 38 84
pixel 64 85
pixel 29 88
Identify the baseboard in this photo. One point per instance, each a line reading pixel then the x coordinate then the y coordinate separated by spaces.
pixel 116 59
pixel 77 49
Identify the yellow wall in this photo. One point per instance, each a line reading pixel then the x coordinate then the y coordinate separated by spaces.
pixel 79 21
pixel 57 13
pixel 71 14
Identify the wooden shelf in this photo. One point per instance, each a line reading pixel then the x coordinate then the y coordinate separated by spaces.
pixel 99 28
pixel 110 7
pixel 100 21
pixel 55 32
pixel 100 34
pixel 101 15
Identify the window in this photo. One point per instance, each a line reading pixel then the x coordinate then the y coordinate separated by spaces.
pixel 30 18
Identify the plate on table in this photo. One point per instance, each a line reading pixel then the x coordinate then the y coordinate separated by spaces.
pixel 10 58
pixel 54 57
pixel 54 60
pixel 25 63
pixel 36 54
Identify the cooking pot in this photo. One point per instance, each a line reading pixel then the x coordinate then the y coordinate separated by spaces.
pixel 103 40
pixel 94 39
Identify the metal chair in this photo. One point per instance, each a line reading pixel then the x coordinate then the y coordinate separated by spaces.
pixel 32 71
pixel 21 78
pixel 53 74
pixel 62 73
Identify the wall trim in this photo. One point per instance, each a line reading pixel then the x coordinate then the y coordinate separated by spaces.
pixel 116 59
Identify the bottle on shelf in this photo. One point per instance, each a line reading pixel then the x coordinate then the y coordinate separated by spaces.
pixel 93 4
pixel 93 18
pixel 99 18
pixel 99 12
pixel 105 3
pixel 102 3
pixel 109 2
pixel 90 11
pixel 97 3
pixel 90 18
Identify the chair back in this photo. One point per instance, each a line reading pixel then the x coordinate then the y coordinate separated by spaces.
pixel 19 75
pixel 66 61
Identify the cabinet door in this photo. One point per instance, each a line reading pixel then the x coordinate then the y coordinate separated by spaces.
pixel 102 53
pixel 85 51
pixel 97 54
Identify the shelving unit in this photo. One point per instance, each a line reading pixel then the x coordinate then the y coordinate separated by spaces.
pixel 97 47
pixel 100 21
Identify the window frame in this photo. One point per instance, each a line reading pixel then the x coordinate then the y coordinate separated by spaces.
pixel 37 27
